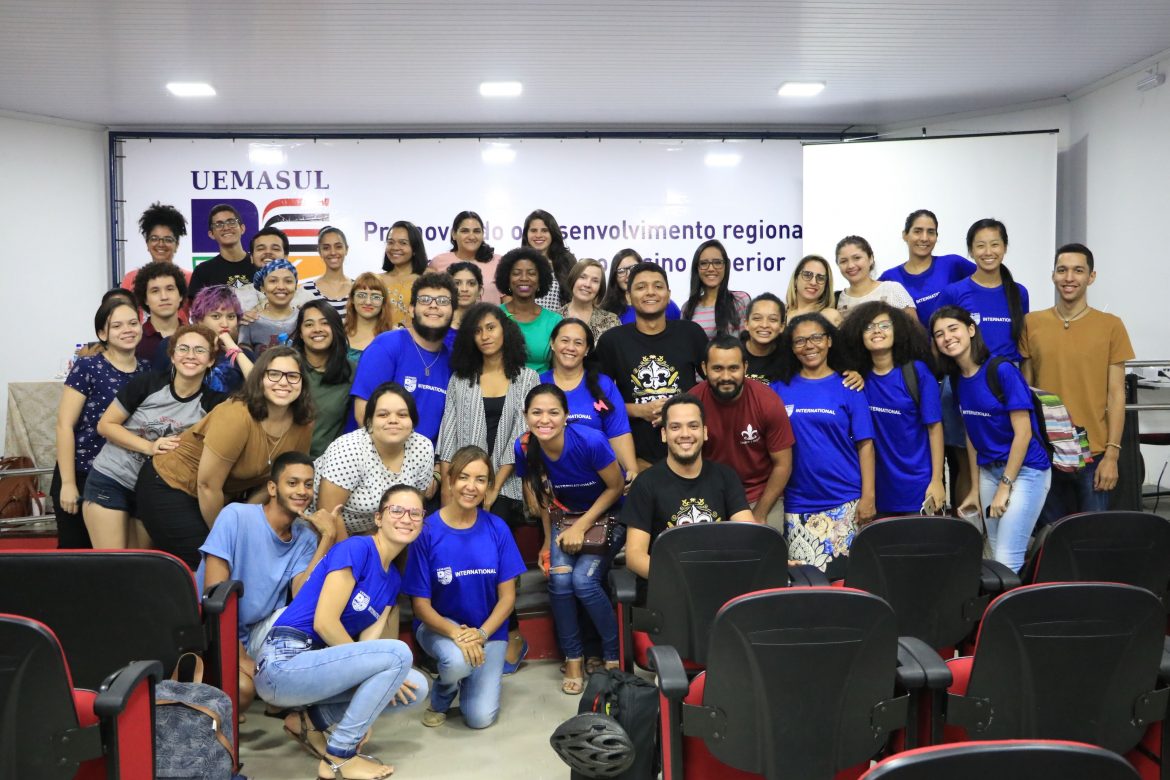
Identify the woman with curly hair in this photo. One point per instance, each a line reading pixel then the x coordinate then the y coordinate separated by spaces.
pixel 831 490
pixel 525 275
pixel 890 350
pixel 542 233
pixel 320 338
pixel 161 227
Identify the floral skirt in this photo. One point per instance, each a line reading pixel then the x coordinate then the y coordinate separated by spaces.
pixel 822 538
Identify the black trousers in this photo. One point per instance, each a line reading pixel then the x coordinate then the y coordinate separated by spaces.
pixel 171 517
pixel 71 531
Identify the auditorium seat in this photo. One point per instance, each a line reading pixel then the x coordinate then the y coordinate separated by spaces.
pixel 1005 760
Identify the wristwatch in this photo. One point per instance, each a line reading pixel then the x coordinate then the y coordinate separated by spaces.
pixel 482 634
pixel 1005 481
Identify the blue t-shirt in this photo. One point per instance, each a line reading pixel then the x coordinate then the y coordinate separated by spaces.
pixel 925 287
pixel 828 419
pixel 374 590
pixel 902 466
pixel 394 357
pixel 575 476
pixel 460 569
pixel 99 381
pixel 988 422
pixel 672 313
pixel 989 308
pixel 257 557
pixel 583 408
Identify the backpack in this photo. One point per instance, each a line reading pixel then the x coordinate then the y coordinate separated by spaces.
pixel 633 703
pixel 193 732
pixel 16 493
pixel 1067 444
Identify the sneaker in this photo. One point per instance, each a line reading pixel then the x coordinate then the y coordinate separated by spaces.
pixel 432 719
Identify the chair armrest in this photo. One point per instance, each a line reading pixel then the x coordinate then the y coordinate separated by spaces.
pixel 117 689
pixel 920 666
pixel 625 585
pixel 996 578
pixel 672 677
pixel 215 600
pixel 806 576
pixel 1164 667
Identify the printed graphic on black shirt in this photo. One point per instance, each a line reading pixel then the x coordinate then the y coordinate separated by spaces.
pixel 694 510
pixel 654 378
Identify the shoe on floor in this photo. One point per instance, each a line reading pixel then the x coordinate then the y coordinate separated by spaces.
pixel 510 668
pixel 432 719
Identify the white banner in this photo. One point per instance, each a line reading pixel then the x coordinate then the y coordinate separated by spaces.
pixel 660 197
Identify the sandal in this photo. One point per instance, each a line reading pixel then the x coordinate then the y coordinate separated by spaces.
pixel 572 686
pixel 336 768
pixel 593 665
pixel 301 736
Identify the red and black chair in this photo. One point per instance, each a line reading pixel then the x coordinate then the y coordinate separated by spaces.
pixel 51 730
pixel 1071 661
pixel 1128 547
pixel 694 570
pixel 800 683
pixel 111 607
pixel 1006 760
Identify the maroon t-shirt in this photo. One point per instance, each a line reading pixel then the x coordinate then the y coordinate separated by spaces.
pixel 743 433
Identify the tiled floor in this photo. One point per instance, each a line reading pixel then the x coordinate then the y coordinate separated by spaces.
pixel 516 746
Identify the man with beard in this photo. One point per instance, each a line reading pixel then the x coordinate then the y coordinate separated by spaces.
pixel 682 489
pixel 747 429
pixel 414 357
pixel 271 549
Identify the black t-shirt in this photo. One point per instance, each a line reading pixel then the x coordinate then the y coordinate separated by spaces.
pixel 646 368
pixel 661 499
pixel 493 410
pixel 219 270
pixel 764 368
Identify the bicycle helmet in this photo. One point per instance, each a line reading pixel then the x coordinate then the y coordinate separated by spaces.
pixel 593 744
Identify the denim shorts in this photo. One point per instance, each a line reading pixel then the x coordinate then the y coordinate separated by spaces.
pixel 108 493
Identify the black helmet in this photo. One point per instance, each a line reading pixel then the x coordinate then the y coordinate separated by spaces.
pixel 595 745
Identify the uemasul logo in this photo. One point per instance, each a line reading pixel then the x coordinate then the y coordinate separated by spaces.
pixel 299 217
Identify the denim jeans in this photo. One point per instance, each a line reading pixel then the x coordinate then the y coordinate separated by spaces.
pixel 347 685
pixel 478 687
pixel 1008 534
pixel 585 582
pixel 1071 493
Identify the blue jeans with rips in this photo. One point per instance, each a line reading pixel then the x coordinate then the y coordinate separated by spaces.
pixel 347 686
pixel 582 579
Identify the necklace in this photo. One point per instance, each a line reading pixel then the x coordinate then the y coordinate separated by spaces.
pixel 1068 320
pixel 426 367
pixel 272 448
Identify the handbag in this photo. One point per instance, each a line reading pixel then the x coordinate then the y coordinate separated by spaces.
pixel 597 537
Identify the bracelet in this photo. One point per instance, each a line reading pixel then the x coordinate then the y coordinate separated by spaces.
pixel 1109 444
pixel 482 634
pixel 231 353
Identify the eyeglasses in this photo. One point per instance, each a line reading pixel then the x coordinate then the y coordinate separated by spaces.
pixel 716 263
pixel 816 339
pixel 225 223
pixel 883 326
pixel 168 240
pixel 186 349
pixel 368 296
pixel 623 271
pixel 396 511
pixel 274 376
pixel 809 276
pixel 438 300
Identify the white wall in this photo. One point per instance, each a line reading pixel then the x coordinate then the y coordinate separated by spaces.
pixel 55 268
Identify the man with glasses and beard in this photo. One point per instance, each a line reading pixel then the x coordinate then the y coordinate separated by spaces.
pixel 747 429
pixel 682 489
pixel 414 357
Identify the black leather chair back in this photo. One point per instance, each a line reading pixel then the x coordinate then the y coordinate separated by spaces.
pixel 696 569
pixel 107 607
pixel 927 569
pixel 1071 661
pixel 801 678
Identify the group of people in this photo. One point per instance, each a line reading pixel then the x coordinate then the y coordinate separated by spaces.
pixel 301 436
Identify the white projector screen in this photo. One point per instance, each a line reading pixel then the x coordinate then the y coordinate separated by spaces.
pixel 867 188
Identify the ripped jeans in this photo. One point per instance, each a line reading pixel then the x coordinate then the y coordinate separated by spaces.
pixel 583 581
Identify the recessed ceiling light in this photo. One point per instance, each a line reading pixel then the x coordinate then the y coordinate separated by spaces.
pixel 722 159
pixel 191 89
pixel 501 88
pixel 801 88
pixel 498 154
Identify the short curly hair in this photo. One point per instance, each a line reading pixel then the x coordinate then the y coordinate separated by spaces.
pixel 152 271
pixel 162 215
pixel 543 270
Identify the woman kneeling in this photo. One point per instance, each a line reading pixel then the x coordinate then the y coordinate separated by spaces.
pixel 326 651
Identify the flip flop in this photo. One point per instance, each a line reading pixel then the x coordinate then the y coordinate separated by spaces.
pixel 301 736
